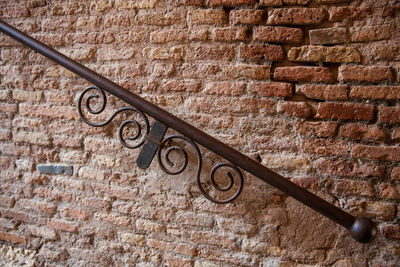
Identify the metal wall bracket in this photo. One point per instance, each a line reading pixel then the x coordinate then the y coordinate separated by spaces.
pixel 152 144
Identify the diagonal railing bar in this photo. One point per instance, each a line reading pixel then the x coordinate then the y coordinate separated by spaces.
pixel 362 229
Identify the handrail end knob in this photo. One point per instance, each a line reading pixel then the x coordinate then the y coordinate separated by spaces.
pixel 363 230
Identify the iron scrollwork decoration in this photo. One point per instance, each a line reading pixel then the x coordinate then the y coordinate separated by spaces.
pixel 362 229
pixel 95 101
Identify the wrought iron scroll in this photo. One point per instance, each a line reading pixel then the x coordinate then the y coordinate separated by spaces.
pixel 93 95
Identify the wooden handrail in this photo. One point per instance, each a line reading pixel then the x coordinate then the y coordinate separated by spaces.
pixel 362 229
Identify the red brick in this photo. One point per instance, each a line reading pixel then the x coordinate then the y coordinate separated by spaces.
pixel 396 134
pixel 271 2
pixel 23 217
pixel 391 231
pixel 14 12
pixel 296 109
pixel 296 16
pixel 316 128
pixel 348 13
pixel 182 86
pixel 389 114
pixel 256 72
pixel 76 213
pixel 363 132
pixel 347 168
pixel 229 34
pixel 213 239
pixel 178 248
pixel 376 152
pixel 304 74
pixel 12 238
pixel 390 191
pixel 225 88
pixel 260 52
pixel 375 92
pixel 229 2
pixel 165 36
pixel 396 174
pixel 350 187
pixel 345 111
pixel 34 205
pixel 59 112
pixel 278 34
pixel 221 52
pixel 246 16
pixel 328 36
pixel 323 92
pixel 371 74
pixel 325 147
pixel 370 33
pixel 207 16
pixel 62 225
pixel 195 219
pixel 279 89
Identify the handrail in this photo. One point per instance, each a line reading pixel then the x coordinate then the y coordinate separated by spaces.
pixel 362 229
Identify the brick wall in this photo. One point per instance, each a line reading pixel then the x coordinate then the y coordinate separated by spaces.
pixel 308 87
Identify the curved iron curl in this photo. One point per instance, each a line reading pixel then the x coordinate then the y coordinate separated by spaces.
pixel 101 94
pixel 199 166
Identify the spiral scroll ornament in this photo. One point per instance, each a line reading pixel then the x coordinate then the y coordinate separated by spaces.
pixel 95 103
pixel 168 165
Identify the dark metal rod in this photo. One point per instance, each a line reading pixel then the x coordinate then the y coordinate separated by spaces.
pixel 362 229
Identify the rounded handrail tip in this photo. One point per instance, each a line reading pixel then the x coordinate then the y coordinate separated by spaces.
pixel 363 230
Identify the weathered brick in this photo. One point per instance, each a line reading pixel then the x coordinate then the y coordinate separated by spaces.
pixel 271 2
pixel 59 112
pixel 8 224
pixel 348 13
pixel 210 238
pixel 81 54
pixel 296 2
pixel 79 214
pixel 396 134
pixel 179 248
pixel 115 219
pixel 67 9
pixel 97 204
pixel 256 72
pixel 7 201
pixel 115 54
pixel 296 16
pixel 194 219
pixel 389 114
pixel 122 4
pixel 64 141
pixel 43 232
pixel 380 210
pixel 262 52
pixel 333 1
pixel 328 36
pixel 279 89
pixel 371 74
pixel 212 52
pixel 225 88
pixel 182 86
pixel 229 34
pixel 207 16
pixel 304 74
pixel 12 238
pixel 160 18
pixel 62 225
pixel 347 168
pixel 23 217
pixel 336 54
pixel 4 94
pixel 166 36
pixel 90 173
pixel 5 107
pixel 324 147
pixel 278 34
pixel 34 205
pixel 148 226
pixel 345 111
pixel 163 53
pixel 22 95
pixel 390 191
pixel 90 38
pixel 297 109
pixel 237 226
pixel 370 33
pixel 350 187
pixel 101 5
pixel 375 92
pixel 357 131
pixel 230 2
pixel 376 152
pixel 52 194
pixel 316 128
pixel 323 92
pixel 246 16
pixel 207 206
pixel 391 231
pixel 5 134
pixel 14 12
pixel 36 138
